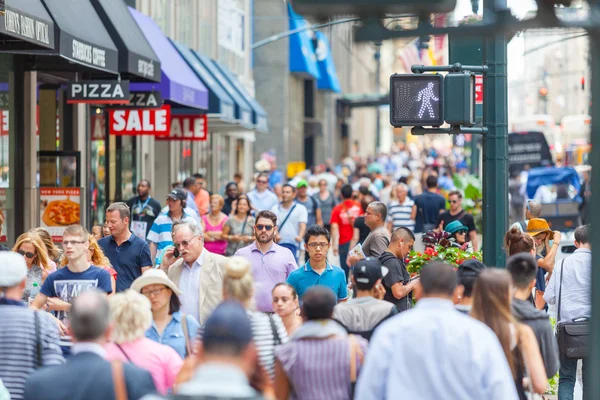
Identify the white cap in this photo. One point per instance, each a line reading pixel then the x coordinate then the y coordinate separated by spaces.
pixel 13 269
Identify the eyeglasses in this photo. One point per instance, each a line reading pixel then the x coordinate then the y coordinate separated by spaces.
pixel 150 293
pixel 261 181
pixel 315 245
pixel 26 254
pixel 184 243
pixel 268 228
pixel 73 242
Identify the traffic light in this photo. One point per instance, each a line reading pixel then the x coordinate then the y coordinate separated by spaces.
pixel 416 100
pixel 329 8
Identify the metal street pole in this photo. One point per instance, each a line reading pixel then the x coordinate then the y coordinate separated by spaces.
pixel 495 142
pixel 378 91
pixel 595 215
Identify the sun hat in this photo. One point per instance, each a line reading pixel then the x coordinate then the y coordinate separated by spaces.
pixel 455 226
pixel 155 277
pixel 535 226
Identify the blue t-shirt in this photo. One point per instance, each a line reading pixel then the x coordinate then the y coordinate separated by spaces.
pixel 127 259
pixel 67 285
pixel 333 277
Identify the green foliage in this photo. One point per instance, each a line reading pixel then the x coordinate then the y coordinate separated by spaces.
pixel 470 186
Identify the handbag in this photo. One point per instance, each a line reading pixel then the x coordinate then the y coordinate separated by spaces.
pixel 184 325
pixel 572 336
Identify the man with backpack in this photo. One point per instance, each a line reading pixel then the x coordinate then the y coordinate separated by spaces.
pixel 362 314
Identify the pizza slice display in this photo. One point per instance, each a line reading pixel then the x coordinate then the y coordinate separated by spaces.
pixel 61 213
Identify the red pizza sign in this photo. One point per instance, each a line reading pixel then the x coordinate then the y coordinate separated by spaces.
pixel 478 89
pixel 154 121
pixel 187 127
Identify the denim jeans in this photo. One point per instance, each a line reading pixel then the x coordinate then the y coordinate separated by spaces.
pixel 568 377
pixel 344 250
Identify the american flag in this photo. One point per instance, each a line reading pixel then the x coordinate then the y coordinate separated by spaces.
pixel 410 55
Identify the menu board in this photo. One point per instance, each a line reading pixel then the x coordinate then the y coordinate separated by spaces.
pixel 59 208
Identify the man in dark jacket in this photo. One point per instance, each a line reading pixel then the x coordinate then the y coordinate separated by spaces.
pixel 523 268
pixel 87 375
pixel 397 283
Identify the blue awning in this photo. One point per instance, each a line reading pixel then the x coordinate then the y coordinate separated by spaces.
pixel 179 84
pixel 259 115
pixel 220 103
pixel 328 79
pixel 302 56
pixel 243 111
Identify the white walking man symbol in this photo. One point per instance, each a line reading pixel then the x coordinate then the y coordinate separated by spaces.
pixel 426 96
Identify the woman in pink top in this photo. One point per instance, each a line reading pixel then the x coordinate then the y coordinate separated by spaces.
pixel 131 316
pixel 212 226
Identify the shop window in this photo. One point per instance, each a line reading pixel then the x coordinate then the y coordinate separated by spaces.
pixel 186 167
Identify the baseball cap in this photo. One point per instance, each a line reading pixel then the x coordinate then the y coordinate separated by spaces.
pixel 301 183
pixel 470 268
pixel 228 324
pixel 13 270
pixel 369 271
pixel 177 194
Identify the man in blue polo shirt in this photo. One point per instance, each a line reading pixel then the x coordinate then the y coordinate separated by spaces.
pixel 129 255
pixel 317 271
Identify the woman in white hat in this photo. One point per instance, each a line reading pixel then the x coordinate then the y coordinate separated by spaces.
pixel 168 326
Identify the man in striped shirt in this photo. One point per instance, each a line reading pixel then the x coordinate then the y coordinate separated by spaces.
pixel 402 212
pixel 21 349
pixel 160 236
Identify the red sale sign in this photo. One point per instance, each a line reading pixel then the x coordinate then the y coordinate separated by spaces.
pixel 153 121
pixel 478 89
pixel 187 127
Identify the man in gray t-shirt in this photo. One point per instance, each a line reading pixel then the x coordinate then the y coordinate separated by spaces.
pixel 291 220
pixel 312 206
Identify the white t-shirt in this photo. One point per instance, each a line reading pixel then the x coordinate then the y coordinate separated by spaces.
pixel 291 228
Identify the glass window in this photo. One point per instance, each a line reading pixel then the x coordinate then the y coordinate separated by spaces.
pixel 97 186
pixel 205 26
pixel 126 164
pixel 6 114
pixel 185 159
pixel 231 16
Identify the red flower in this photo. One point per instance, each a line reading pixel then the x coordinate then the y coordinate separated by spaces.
pixel 429 251
pixel 435 253
pixel 407 260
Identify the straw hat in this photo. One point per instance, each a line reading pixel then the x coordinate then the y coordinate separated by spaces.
pixel 535 226
pixel 154 277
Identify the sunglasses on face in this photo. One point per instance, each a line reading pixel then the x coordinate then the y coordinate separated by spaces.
pixel 268 228
pixel 461 232
pixel 26 254
pixel 453 201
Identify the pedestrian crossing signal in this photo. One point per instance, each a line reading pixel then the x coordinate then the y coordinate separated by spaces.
pixel 416 100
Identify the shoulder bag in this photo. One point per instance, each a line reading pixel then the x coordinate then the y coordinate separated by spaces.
pixel 276 338
pixel 118 375
pixel 572 336
pixel 39 361
pixel 184 325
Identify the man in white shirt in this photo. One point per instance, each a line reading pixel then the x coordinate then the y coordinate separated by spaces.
pixel 261 197
pixel 435 352
pixel 292 218
pixel 574 300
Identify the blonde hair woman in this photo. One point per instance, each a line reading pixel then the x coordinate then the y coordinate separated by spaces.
pixel 97 258
pixel 131 317
pixel 268 330
pixel 31 247
pixel 51 249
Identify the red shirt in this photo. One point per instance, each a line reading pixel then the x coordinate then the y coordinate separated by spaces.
pixel 344 215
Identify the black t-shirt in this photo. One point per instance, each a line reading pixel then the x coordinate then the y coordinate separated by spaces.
pixel 145 211
pixel 397 273
pixel 429 206
pixel 465 218
pixel 363 229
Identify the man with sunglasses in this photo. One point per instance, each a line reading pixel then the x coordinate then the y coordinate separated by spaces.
pixel 271 263
pixel 261 197
pixel 456 213
pixel 61 287
pixel 197 272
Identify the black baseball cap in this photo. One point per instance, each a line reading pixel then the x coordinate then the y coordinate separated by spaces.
pixel 177 194
pixel 227 325
pixel 368 271
pixel 470 268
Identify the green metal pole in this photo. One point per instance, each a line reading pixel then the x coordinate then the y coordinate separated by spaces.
pixel 595 215
pixel 495 143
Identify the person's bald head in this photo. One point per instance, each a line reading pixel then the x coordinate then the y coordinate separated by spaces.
pixel 89 316
pixel 534 209
pixel 401 242
pixel 318 303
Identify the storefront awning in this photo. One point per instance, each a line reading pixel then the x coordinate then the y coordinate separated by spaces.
pixel 82 37
pixel 328 79
pixel 221 107
pixel 179 84
pixel 136 57
pixel 302 56
pixel 259 115
pixel 243 111
pixel 26 25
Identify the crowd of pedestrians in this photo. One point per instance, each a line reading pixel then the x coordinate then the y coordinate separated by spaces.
pixel 284 294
